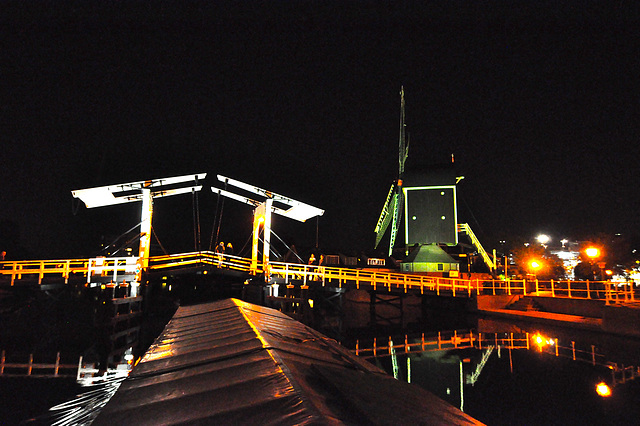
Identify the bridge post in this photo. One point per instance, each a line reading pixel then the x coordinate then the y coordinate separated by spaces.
pixel 392 301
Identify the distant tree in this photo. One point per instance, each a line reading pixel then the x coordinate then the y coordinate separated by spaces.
pixel 585 271
pixel 551 266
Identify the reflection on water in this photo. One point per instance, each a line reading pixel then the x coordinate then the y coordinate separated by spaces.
pixel 503 372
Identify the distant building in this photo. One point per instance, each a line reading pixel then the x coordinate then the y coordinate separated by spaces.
pixel 429 258
pixel 570 258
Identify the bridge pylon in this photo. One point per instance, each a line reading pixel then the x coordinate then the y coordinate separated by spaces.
pixel 144 191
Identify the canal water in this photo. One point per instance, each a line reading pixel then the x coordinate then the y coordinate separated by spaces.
pixel 507 372
pixel 499 372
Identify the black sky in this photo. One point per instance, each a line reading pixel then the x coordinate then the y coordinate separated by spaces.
pixel 538 102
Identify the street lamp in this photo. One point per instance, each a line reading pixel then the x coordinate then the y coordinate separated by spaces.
pixel 543 239
pixel 592 252
pixel 534 265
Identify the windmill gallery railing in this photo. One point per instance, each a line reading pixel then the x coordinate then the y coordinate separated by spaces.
pixel 105 269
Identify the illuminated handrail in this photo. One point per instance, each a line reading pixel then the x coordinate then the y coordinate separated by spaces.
pixel 36 369
pixel 610 292
pixel 62 267
pixel 371 279
pixel 220 260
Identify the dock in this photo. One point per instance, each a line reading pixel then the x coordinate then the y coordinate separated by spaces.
pixel 231 362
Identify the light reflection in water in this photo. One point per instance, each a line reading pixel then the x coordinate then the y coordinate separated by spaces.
pixel 468 369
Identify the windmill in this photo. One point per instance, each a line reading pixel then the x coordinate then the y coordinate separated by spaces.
pixel 392 210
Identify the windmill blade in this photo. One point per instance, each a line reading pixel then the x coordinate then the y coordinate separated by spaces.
pixel 385 217
pixel 397 211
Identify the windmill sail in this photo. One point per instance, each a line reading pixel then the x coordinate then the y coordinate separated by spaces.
pixel 392 210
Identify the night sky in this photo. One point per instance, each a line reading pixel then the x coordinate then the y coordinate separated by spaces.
pixel 538 103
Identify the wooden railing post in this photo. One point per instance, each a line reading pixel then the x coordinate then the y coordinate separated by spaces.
pixel 569 288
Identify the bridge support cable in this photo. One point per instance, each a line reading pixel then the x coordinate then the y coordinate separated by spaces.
pixel 122 235
pixel 215 222
pixel 196 219
pixel 218 219
pixel 153 231
pixel 272 250
pixel 287 246
pixel 129 241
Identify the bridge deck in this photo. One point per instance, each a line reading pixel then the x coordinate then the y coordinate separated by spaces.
pixel 115 270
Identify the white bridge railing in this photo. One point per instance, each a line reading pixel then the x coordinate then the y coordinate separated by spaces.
pixel 111 268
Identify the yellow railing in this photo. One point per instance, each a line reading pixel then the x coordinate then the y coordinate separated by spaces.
pixel 219 260
pixel 370 279
pixel 36 369
pixel 62 268
pixel 113 268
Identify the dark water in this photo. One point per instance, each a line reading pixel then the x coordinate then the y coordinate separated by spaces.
pixel 530 388
pixel 22 400
pixel 517 386
pixel 541 385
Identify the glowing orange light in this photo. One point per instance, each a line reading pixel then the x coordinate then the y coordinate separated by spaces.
pixel 608 272
pixel 603 389
pixel 541 341
pixel 592 252
pixel 535 264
